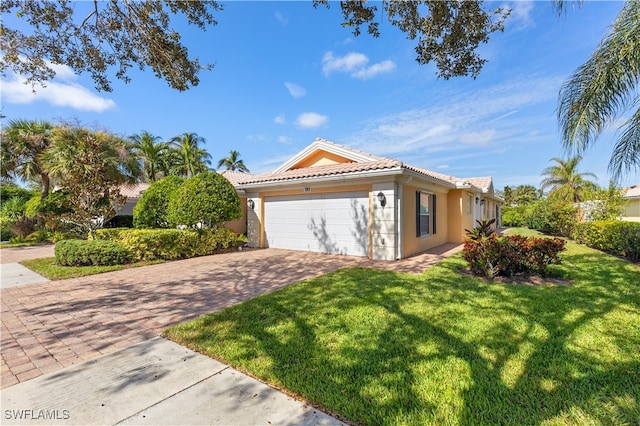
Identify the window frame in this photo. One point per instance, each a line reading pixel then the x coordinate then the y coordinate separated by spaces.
pixel 431 208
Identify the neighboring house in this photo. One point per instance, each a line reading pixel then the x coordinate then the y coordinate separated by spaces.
pixel 631 211
pixel 333 199
pixel 132 192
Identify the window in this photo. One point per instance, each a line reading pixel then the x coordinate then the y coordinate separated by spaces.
pixel 425 214
pixel 469 203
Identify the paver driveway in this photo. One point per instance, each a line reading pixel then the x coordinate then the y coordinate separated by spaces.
pixel 49 326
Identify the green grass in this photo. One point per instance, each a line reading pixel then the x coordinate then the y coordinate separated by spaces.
pixel 47 268
pixel 379 347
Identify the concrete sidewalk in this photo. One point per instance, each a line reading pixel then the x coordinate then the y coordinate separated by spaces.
pixel 14 274
pixel 156 382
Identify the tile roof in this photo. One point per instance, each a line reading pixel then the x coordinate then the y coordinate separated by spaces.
pixel 319 171
pixel 632 191
pixel 480 182
pixel 370 163
pixel 235 177
pixel 133 190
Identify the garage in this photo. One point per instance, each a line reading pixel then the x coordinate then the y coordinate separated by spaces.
pixel 327 223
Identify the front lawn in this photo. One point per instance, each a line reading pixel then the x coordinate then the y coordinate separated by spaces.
pixel 48 268
pixel 378 347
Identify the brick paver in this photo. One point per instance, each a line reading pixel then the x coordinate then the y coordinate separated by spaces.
pixel 48 326
pixel 18 254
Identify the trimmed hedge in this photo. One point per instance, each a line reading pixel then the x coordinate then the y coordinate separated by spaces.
pixel 90 253
pixel 612 236
pixel 169 244
pixel 553 217
pixel 511 255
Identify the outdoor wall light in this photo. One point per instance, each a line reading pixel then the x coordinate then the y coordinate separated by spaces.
pixel 251 204
pixel 382 199
pixel 482 202
pixel 477 199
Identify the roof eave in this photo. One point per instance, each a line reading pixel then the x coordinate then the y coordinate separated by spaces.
pixel 325 178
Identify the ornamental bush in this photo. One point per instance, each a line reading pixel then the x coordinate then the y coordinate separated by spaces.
pixel 514 215
pixel 553 217
pixel 205 200
pixel 512 255
pixel 612 236
pixel 151 210
pixel 170 244
pixel 90 253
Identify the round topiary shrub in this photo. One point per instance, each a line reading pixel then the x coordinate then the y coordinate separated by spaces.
pixel 91 253
pixel 205 200
pixel 151 209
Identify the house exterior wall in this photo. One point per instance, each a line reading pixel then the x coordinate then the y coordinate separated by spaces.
pixel 383 222
pixel 411 244
pixel 127 208
pixel 631 211
pixel 321 158
pixel 392 228
pixel 239 226
pixel 254 221
pixel 456 207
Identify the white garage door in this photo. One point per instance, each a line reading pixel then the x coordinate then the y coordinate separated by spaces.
pixel 327 223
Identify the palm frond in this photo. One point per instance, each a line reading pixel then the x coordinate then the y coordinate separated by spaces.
pixel 626 151
pixel 604 87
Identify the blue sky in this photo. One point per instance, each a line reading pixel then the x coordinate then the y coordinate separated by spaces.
pixel 287 73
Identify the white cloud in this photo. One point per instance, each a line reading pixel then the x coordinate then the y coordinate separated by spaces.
pixel 354 64
pixel 482 138
pixel 295 90
pixel 281 18
pixel 284 139
pixel 279 119
pixel 62 91
pixel 310 120
pixel 375 69
pixel 520 17
pixel 463 123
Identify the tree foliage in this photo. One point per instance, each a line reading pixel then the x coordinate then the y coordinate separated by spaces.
pixel 603 90
pixel 520 195
pixel 604 203
pixel 207 199
pixel 151 153
pixel 447 32
pixel 151 210
pixel 233 162
pixel 553 217
pixel 22 145
pixel 566 182
pixel 94 36
pixel 90 166
pixel 188 158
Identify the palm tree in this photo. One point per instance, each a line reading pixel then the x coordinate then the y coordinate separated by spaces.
pixel 603 89
pixel 81 154
pixel 23 143
pixel 90 166
pixel 566 183
pixel 151 154
pixel 233 162
pixel 191 159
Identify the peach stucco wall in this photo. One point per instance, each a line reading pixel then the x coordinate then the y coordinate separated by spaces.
pixel 239 226
pixel 410 243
